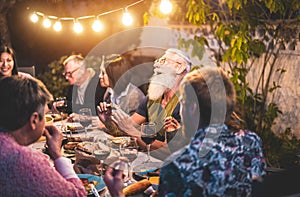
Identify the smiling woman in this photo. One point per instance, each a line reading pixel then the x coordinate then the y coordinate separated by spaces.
pixel 8 63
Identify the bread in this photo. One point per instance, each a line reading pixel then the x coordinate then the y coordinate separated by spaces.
pixel 137 187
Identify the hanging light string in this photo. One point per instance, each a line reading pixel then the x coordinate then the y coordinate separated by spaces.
pixel 86 17
pixel 97 26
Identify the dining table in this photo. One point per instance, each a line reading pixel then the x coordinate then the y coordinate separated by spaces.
pixel 91 132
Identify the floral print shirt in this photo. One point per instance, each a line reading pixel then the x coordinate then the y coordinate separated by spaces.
pixel 217 162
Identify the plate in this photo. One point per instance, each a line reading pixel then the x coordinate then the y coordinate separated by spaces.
pixel 78 128
pixel 100 186
pixel 147 167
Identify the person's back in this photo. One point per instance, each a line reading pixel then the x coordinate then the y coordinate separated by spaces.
pixel 223 167
pixel 24 171
pixel 217 161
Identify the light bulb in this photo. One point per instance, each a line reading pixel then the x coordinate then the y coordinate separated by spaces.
pixel 47 22
pixel 78 27
pixel 127 18
pixel 34 18
pixel 165 6
pixel 57 26
pixel 97 25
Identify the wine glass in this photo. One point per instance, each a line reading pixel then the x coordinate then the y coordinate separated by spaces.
pixel 148 135
pixel 129 152
pixel 102 149
pixel 85 119
pixel 62 106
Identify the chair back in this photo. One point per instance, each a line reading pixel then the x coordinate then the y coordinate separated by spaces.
pixel 28 69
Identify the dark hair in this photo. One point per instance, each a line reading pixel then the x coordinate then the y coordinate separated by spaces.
pixel 214 93
pixel 115 68
pixel 6 49
pixel 19 99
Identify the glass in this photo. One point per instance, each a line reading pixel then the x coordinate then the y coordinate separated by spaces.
pixel 85 119
pixel 148 135
pixel 62 106
pixel 163 60
pixel 129 152
pixel 102 149
pixel 70 73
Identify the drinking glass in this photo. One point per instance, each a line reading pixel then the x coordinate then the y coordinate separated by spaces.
pixel 85 119
pixel 129 152
pixel 148 135
pixel 102 149
pixel 61 106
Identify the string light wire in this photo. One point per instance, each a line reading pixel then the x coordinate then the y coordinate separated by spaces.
pixel 127 20
pixel 97 25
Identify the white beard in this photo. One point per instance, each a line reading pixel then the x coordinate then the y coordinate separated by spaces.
pixel 160 82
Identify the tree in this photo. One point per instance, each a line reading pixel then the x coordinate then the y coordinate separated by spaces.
pixel 248 31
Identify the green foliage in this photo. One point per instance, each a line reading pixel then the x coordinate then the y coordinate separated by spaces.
pixel 54 80
pixel 234 23
pixel 197 45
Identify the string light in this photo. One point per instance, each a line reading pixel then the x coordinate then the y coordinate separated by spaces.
pixel 165 6
pixel 57 26
pixel 34 18
pixel 127 19
pixel 97 25
pixel 46 22
pixel 77 26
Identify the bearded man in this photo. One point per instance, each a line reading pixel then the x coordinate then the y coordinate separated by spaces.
pixel 162 103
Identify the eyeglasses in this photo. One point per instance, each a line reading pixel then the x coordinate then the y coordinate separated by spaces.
pixel 163 60
pixel 70 73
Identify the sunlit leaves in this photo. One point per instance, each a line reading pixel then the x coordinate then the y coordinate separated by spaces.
pixel 196 45
pixel 197 11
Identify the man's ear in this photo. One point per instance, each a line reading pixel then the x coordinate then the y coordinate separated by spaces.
pixel 34 119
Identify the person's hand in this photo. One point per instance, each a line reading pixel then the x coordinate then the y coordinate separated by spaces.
pixel 104 107
pixel 114 181
pixel 125 123
pixel 101 115
pixel 54 141
pixel 55 104
pixel 171 124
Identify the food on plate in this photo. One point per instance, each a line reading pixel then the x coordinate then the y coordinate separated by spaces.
pixel 74 139
pixel 154 180
pixel 59 117
pixel 87 184
pixel 74 127
pixel 70 145
pixel 137 187
pixel 118 141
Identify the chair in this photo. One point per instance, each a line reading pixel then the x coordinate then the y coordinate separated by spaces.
pixel 28 69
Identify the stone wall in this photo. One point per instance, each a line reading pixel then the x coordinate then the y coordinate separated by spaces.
pixel 288 96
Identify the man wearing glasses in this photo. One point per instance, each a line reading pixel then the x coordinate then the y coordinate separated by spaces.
pixel 162 104
pixel 85 90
